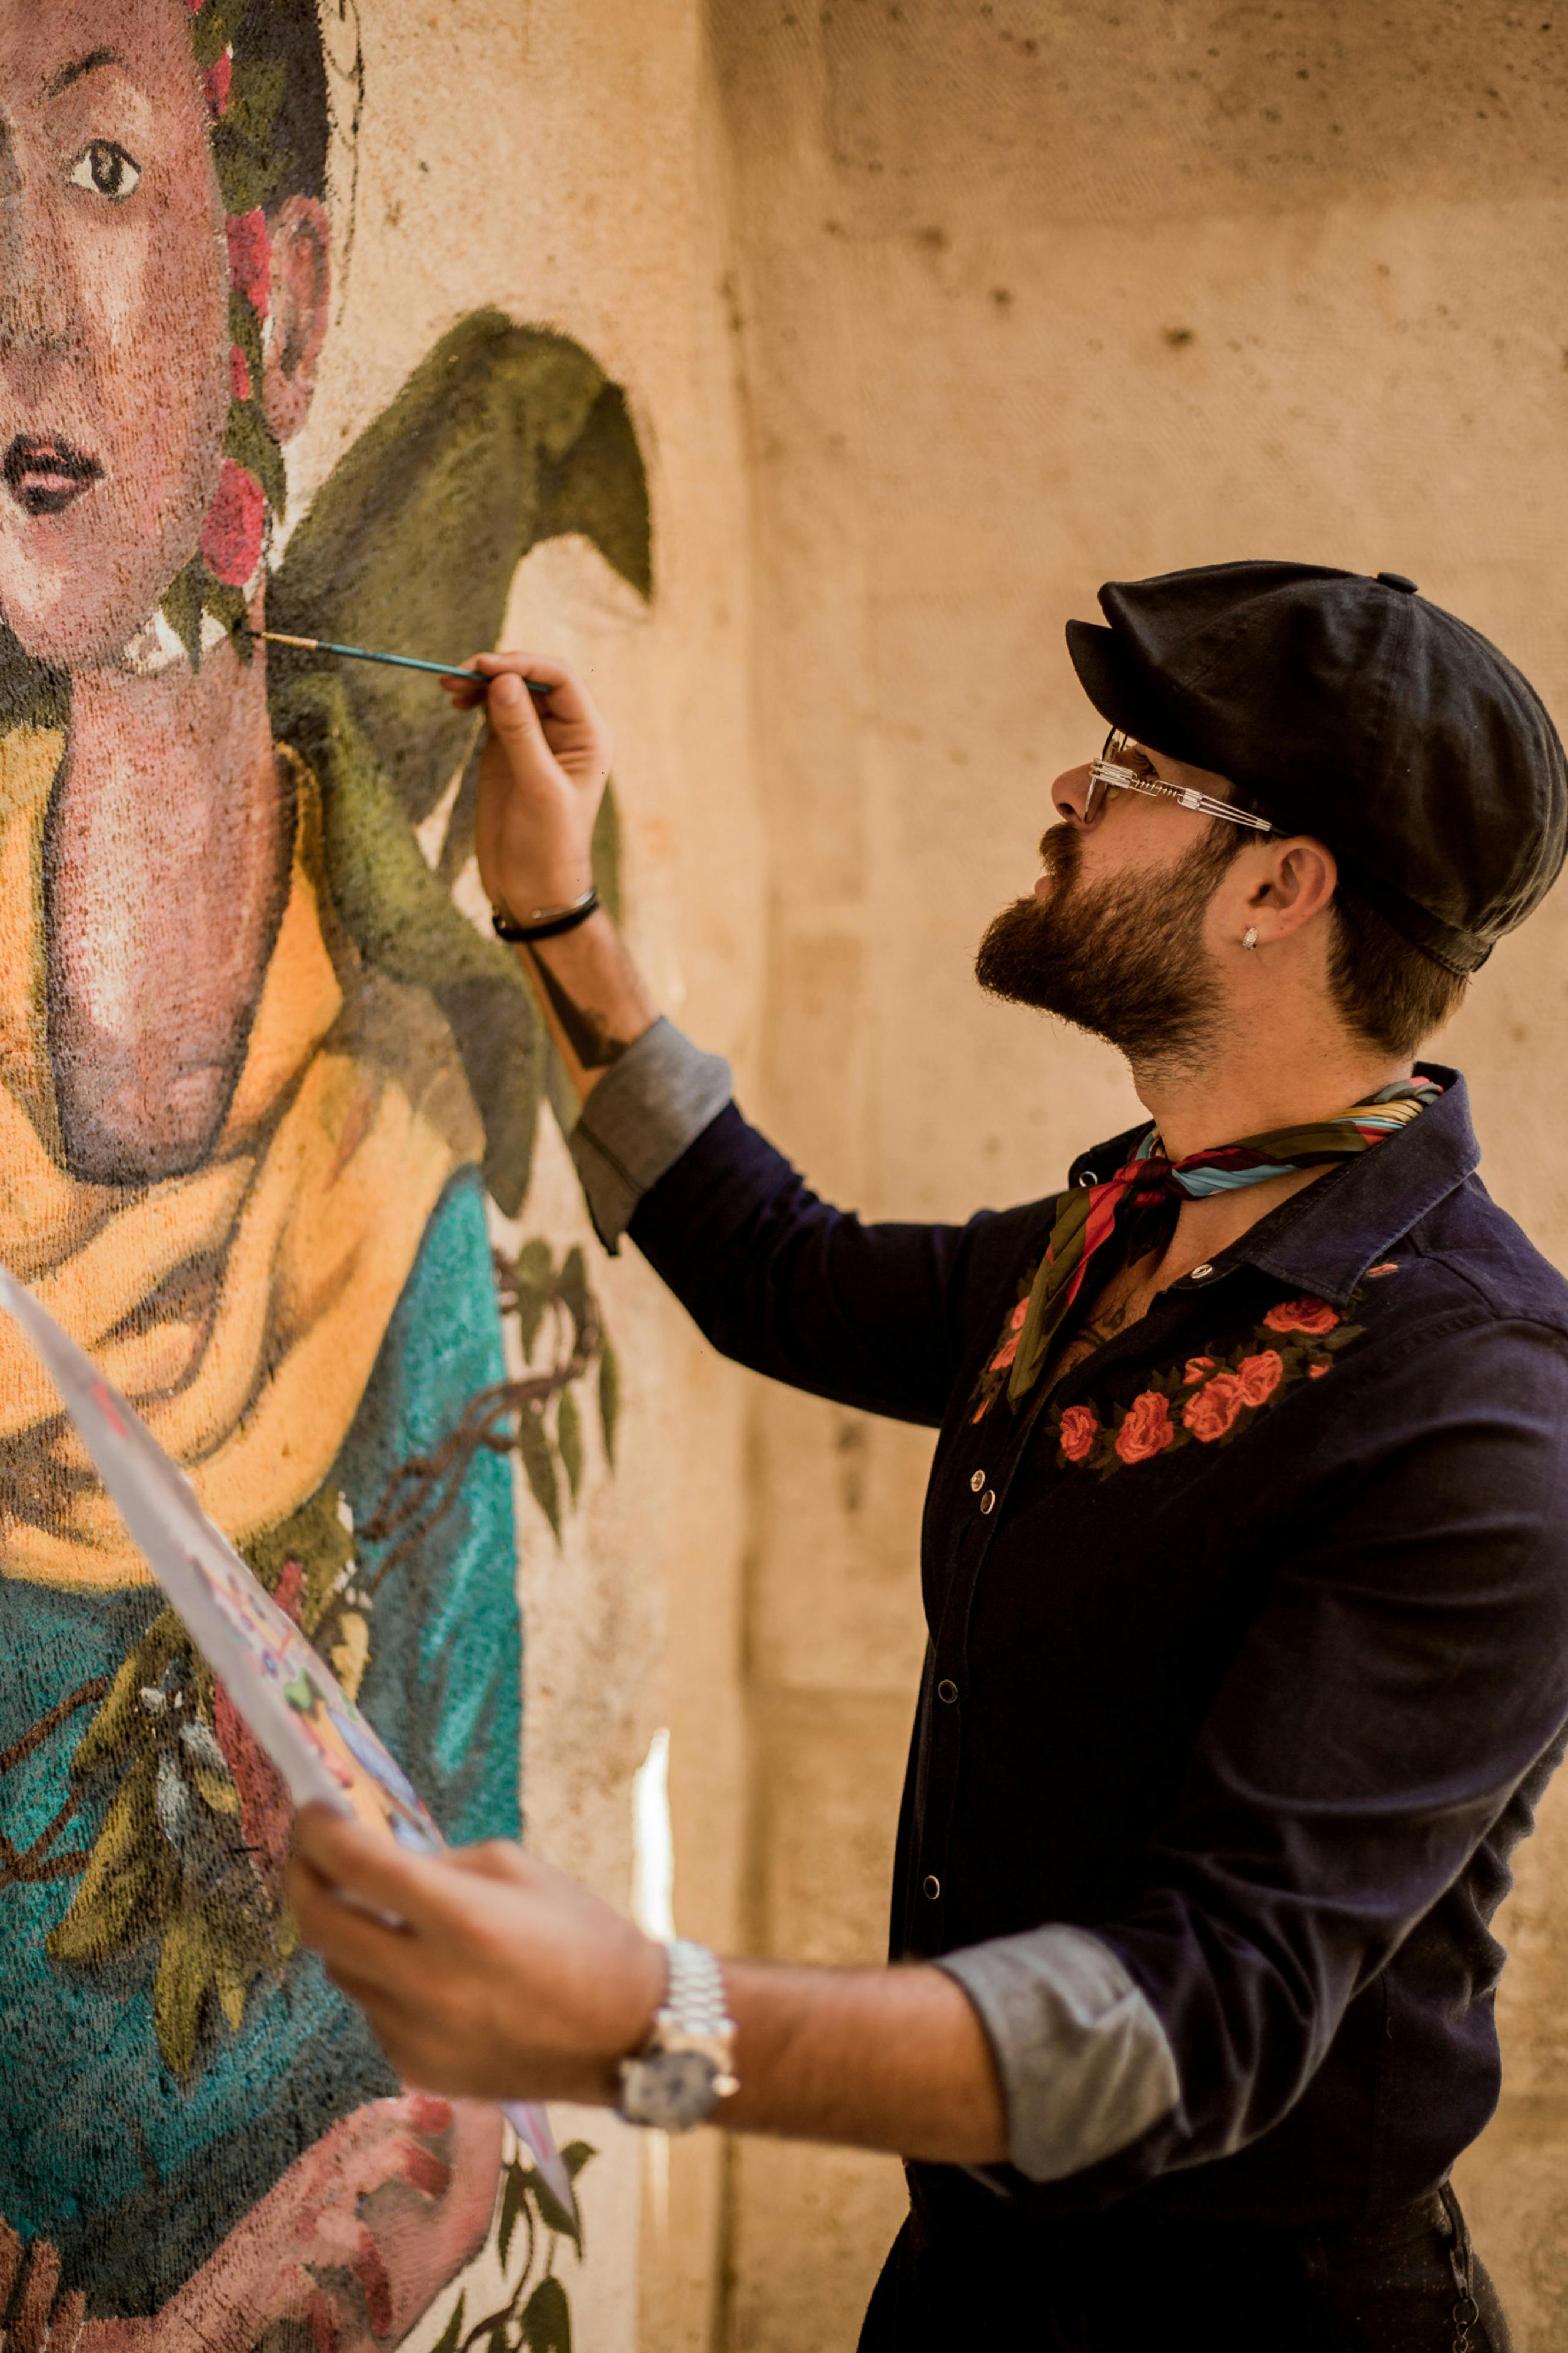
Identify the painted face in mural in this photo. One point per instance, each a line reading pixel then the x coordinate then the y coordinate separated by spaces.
pixel 115 280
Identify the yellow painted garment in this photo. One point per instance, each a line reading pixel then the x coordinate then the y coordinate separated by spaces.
pixel 241 1307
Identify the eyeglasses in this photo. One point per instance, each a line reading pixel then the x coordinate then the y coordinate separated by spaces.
pixel 1109 774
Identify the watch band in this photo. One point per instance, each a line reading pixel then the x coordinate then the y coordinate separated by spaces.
pixel 685 2067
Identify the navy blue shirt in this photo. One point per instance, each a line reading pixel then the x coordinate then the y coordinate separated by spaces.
pixel 1249 1641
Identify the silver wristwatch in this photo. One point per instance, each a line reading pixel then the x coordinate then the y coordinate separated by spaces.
pixel 684 2069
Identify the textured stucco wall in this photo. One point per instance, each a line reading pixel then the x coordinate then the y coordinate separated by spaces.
pixel 1029 296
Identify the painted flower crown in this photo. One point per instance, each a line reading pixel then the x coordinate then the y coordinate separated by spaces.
pixel 243 95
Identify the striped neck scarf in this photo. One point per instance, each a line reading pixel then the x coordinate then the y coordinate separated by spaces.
pixel 1138 1207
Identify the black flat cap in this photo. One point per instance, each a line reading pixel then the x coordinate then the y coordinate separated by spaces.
pixel 1349 707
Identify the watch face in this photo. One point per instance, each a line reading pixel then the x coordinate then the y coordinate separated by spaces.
pixel 669 2089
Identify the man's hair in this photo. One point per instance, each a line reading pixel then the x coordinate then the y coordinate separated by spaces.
pixel 1386 989
pixel 1389 993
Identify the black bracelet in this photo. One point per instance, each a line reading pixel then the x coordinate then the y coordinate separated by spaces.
pixel 550 924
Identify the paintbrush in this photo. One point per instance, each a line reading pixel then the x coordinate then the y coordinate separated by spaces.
pixel 396 662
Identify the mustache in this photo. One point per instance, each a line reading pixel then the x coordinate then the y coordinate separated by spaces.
pixel 1061 854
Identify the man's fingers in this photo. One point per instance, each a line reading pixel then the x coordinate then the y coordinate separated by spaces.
pixel 509 709
pixel 371 1865
pixel 495 1859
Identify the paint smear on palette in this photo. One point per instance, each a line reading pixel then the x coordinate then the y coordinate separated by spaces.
pixel 321 1744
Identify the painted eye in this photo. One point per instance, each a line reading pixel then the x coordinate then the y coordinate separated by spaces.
pixel 105 169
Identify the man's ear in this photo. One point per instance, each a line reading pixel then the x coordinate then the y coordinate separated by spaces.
pixel 301 293
pixel 1299 883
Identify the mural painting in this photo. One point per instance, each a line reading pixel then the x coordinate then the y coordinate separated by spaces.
pixel 257 1076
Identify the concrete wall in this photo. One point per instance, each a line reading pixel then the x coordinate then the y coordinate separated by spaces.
pixel 1028 296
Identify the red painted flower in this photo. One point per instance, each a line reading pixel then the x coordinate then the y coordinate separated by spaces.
pixel 266 1810
pixel 1145 1430
pixel 236 523
pixel 216 81
pixel 1078 1431
pixel 1259 1377
pixel 250 258
pixel 1303 1315
pixel 1316 1372
pixel 1212 1410
pixel 238 374
pixel 1196 1367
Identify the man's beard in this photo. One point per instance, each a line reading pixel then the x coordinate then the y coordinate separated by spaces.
pixel 1124 961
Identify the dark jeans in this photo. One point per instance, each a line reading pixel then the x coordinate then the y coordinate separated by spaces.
pixel 1135 2282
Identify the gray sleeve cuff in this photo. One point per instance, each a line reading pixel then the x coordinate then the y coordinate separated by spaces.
pixel 1084 2062
pixel 640 1118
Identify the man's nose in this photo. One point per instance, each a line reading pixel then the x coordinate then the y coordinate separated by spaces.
pixel 1070 794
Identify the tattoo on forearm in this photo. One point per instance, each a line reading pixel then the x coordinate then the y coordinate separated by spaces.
pixel 587 1032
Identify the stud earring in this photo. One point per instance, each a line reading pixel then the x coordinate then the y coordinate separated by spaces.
pixel 1249 936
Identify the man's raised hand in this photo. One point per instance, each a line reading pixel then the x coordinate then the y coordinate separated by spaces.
pixel 541 776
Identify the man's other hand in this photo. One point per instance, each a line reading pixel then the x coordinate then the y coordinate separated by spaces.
pixel 504 1979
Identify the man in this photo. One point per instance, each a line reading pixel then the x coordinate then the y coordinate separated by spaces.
pixel 1246 1554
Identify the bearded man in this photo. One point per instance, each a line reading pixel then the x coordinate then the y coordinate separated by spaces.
pixel 1246 1553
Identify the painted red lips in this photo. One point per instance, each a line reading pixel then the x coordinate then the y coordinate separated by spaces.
pixel 46 474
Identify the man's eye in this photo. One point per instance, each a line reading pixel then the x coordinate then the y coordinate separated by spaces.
pixel 106 170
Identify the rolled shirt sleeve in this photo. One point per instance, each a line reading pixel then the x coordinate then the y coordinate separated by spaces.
pixel 1084 2064
pixel 648 1108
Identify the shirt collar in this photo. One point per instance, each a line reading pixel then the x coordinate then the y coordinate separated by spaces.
pixel 1324 1239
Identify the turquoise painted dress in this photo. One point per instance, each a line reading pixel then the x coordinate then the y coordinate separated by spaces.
pixel 132 2171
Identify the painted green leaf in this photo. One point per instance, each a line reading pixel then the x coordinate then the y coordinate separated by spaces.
pixel 609 1395
pixel 539 1465
pixel 547 2318
pixel 513 2196
pixel 534 1266
pixel 530 1307
pixel 569 1439
pixel 402 919
pixel 450 2337
pixel 185 1969
pixel 552 2213
pixel 502 436
pixel 575 1286
pixel 576 2155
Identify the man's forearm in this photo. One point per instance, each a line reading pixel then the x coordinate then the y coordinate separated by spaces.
pixel 886 2058
pixel 591 996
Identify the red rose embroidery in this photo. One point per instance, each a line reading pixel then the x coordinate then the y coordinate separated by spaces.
pixel 1196 1367
pixel 1078 1431
pixel 1210 1412
pixel 1259 1377
pixel 1145 1430
pixel 250 258
pixel 236 523
pixel 1303 1315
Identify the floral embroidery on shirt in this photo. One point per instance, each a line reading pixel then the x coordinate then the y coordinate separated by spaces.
pixel 994 1375
pixel 1209 1400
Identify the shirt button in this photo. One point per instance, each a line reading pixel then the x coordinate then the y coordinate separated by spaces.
pixel 976 1482
pixel 988 1501
pixel 930 1886
pixel 947 1690
pixel 1199 1273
